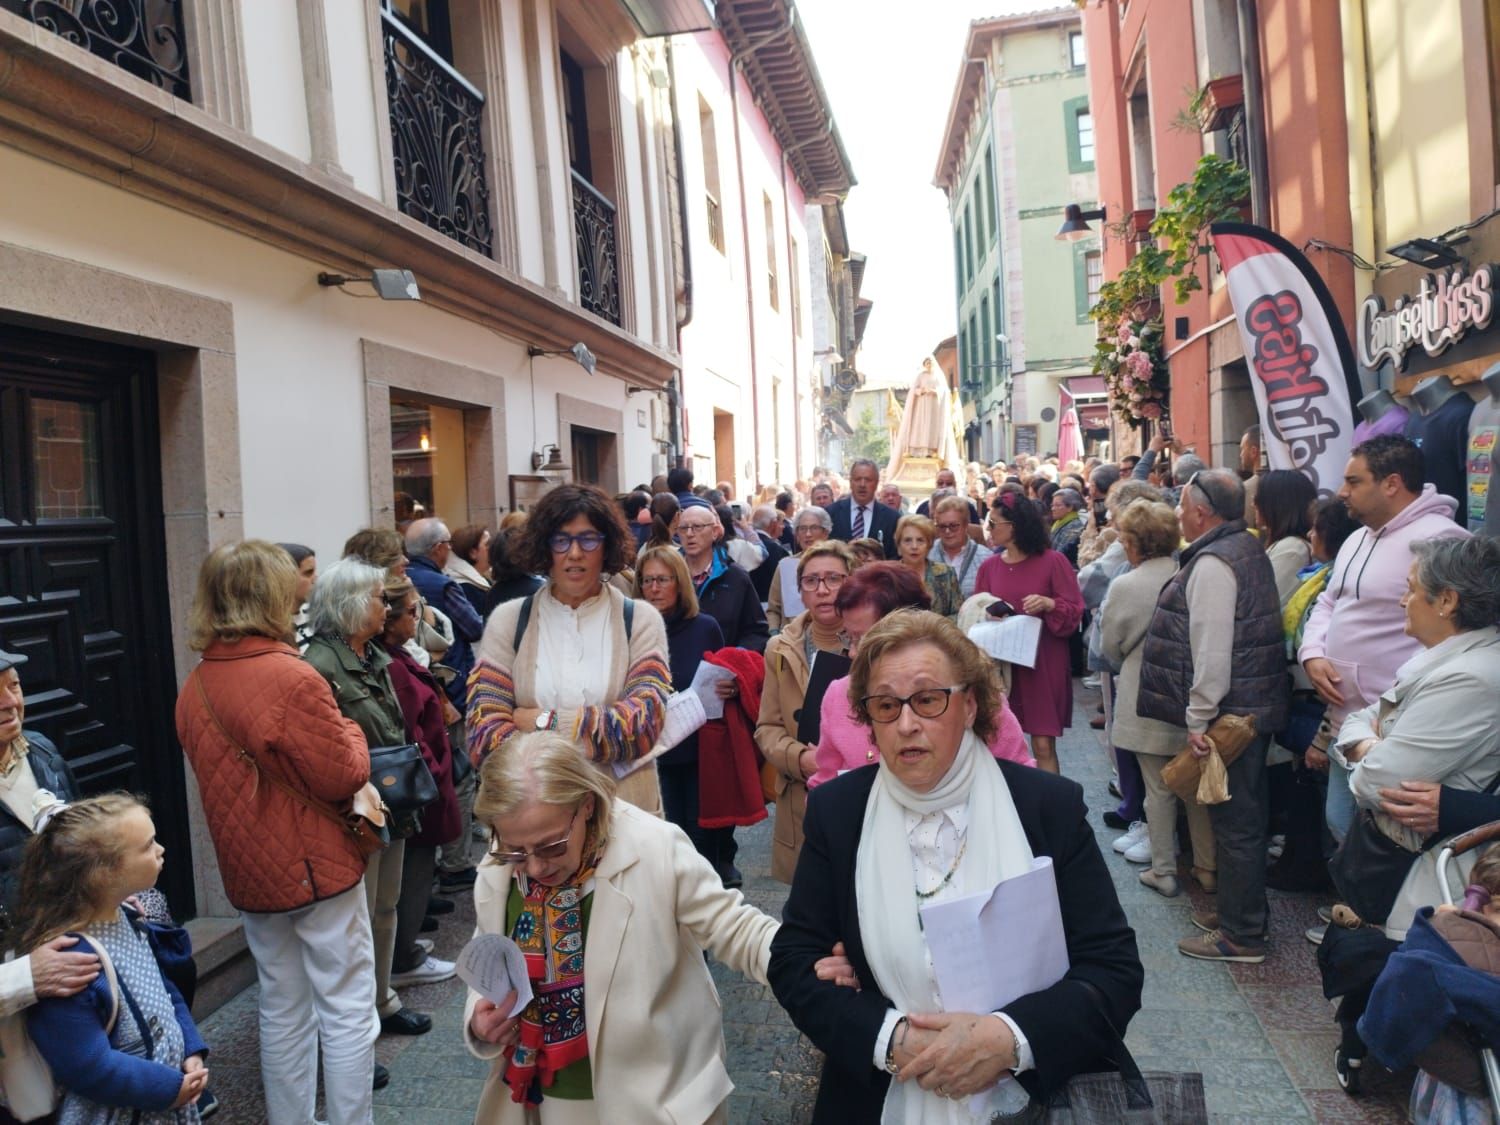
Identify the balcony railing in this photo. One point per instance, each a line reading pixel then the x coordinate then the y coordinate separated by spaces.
pixel 598 260
pixel 436 139
pixel 142 37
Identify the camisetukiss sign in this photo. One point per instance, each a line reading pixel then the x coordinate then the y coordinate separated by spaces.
pixel 1446 306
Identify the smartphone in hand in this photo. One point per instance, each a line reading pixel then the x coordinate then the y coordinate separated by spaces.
pixel 1001 608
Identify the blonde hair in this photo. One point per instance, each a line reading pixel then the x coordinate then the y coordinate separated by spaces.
pixel 246 589
pixel 828 548
pixel 1151 526
pixel 908 627
pixel 67 866
pixel 946 504
pixel 921 524
pixel 546 768
pixel 671 558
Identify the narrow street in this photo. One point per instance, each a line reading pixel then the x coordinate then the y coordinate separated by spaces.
pixel 1262 1035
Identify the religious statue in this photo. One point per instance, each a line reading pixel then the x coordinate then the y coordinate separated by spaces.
pixel 925 442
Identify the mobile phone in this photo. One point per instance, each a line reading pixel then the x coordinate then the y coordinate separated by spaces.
pixel 1166 428
pixel 1000 608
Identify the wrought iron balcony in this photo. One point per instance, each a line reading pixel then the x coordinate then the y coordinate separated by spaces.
pixel 598 260
pixel 141 37
pixel 437 139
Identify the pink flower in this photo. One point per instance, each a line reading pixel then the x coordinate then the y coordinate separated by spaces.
pixel 1151 410
pixel 1123 334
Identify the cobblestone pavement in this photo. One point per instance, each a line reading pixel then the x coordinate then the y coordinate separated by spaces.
pixel 1262 1035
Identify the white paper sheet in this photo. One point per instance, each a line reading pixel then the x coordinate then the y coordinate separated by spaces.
pixel 989 949
pixel 1011 638
pixel 685 716
pixel 492 965
pixel 702 686
pixel 791 593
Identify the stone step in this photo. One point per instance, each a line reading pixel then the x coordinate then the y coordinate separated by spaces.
pixel 225 967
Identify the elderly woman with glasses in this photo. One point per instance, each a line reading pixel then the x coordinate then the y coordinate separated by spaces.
pixel 914 536
pixel 821 570
pixel 613 909
pixel 955 547
pixel 934 819
pixel 810 525
pixel 578 656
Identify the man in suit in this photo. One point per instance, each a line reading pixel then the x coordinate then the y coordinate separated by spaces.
pixel 859 515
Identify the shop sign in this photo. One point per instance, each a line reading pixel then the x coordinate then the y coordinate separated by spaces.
pixel 1445 306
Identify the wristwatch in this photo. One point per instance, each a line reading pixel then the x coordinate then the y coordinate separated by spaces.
pixel 890 1047
pixel 545 720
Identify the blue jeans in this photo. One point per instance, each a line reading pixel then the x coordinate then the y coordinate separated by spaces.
pixel 1339 808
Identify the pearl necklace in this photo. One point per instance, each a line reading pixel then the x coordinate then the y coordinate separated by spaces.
pixel 923 896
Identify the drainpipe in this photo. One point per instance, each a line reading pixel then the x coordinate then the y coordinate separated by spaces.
pixel 1255 134
pixel 675 395
pixel 739 167
pixel 791 265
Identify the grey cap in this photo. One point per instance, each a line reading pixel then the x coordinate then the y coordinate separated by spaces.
pixel 9 660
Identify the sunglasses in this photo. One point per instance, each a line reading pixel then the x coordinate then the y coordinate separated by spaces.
pixel 928 703
pixel 517 856
pixel 561 542
pixel 1208 499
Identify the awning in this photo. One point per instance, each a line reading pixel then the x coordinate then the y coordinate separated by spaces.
pixel 670 17
pixel 1087 385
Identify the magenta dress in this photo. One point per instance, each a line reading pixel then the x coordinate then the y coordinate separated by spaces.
pixel 1041 697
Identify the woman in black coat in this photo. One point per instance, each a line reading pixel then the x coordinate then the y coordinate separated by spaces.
pixel 929 696
pixel 661 578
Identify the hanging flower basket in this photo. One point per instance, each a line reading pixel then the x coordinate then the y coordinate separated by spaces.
pixel 1132 362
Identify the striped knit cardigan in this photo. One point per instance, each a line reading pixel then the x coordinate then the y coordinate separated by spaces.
pixel 638 683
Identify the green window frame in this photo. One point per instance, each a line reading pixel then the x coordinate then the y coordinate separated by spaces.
pixel 1072 109
pixel 1081 252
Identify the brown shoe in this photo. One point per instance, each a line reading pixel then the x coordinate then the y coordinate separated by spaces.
pixel 1207 921
pixel 1097 722
pixel 1208 880
pixel 1214 946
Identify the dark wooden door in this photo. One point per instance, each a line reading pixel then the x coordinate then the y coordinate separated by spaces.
pixel 82 571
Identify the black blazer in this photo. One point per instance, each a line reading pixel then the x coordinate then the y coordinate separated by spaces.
pixel 883 522
pixel 1068 1031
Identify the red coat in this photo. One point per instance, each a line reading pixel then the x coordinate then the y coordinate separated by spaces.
pixel 729 788
pixel 422 708
pixel 275 854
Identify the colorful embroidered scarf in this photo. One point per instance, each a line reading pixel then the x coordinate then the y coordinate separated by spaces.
pixel 550 932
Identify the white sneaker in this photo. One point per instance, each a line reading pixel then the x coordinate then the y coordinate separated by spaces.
pixel 425 944
pixel 1133 836
pixel 1091 681
pixel 1139 852
pixel 429 971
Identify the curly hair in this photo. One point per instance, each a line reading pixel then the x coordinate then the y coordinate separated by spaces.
pixel 533 554
pixel 67 866
pixel 907 627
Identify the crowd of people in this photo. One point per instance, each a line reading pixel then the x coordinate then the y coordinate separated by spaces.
pixel 528 671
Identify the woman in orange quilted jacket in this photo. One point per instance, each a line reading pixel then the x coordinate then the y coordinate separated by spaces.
pixel 278 765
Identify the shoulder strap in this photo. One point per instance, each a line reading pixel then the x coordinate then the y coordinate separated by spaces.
pixel 307 800
pixel 112 982
pixel 629 618
pixel 522 621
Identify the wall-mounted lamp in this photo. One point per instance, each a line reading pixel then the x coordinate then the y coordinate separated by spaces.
pixel 1429 253
pixel 579 351
pixel 549 460
pixel 830 354
pixel 390 285
pixel 1075 225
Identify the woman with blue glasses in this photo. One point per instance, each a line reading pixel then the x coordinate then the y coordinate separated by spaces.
pixel 578 656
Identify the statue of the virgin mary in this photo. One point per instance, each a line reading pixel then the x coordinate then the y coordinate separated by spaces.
pixel 926 423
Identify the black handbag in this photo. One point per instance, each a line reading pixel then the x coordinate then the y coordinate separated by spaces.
pixel 1369 868
pixel 401 776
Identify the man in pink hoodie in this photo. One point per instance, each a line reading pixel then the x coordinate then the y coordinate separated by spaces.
pixel 1355 639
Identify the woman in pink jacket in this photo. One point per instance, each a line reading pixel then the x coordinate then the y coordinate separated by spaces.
pixel 872 592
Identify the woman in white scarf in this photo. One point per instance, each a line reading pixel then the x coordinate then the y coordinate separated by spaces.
pixel 939 818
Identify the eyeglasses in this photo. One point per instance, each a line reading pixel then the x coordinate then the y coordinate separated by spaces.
pixel 561 542
pixel 399 611
pixel 948 527
pixel 810 582
pixel 516 856
pixel 689 528
pixel 657 580
pixel 928 703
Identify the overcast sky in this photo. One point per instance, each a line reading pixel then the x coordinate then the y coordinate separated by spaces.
pixel 889 68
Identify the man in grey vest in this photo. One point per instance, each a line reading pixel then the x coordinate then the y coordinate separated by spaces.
pixel 1215 647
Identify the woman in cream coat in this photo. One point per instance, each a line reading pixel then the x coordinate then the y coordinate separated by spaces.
pixel 1149 534
pixel 626 1012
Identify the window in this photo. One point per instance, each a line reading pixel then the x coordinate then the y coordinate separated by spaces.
pixel 1088 273
pixel 1075 49
pixel 986 341
pixel 1093 275
pixel 428 460
pixel 575 116
pixel 711 174
pixel 796 288
pixel 958 259
pixel 771 286
pixel 1078 124
pixel 989 191
pixel 969 241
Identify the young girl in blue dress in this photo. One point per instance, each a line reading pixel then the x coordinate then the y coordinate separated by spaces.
pixel 84 861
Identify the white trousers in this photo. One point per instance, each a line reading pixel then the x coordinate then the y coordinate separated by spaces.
pixel 317 987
